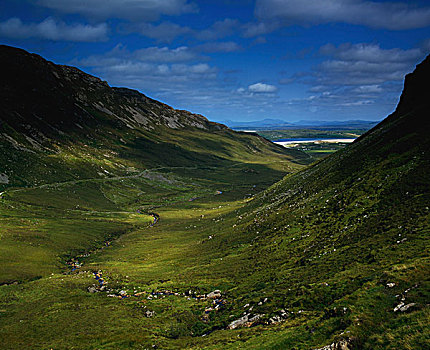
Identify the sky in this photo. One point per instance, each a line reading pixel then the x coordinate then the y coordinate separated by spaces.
pixel 237 60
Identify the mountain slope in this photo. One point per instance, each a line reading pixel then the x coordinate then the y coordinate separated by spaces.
pixel 352 232
pixel 59 123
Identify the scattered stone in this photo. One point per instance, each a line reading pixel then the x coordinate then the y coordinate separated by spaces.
pixel 256 318
pixel 404 308
pixel 397 308
pixel 4 179
pixel 275 319
pixel 149 313
pixel 238 323
pixel 92 289
pixel 214 295
pixel 340 345
pixel 390 285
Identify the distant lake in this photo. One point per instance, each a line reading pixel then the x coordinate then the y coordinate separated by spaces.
pixel 306 140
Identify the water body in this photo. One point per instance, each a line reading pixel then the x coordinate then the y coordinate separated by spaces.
pixel 284 142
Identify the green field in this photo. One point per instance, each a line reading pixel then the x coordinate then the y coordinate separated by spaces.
pixel 321 282
pixel 45 305
pixel 318 150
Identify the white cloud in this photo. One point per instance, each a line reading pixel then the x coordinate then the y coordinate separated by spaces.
pixel 368 89
pixel 218 30
pixel 163 32
pixel 153 54
pixel 175 81
pixel 370 53
pixel 250 30
pixel 425 46
pixel 168 31
pixel 357 76
pixel 165 54
pixel 227 46
pixel 153 68
pixel 144 10
pixel 262 88
pixel 365 64
pixel 50 29
pixel 388 15
pixel 286 81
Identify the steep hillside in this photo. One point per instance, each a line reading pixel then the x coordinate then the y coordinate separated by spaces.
pixel 347 238
pixel 58 123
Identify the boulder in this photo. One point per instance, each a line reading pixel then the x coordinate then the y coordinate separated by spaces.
pixel 214 295
pixel 340 345
pixel 406 307
pixel 149 313
pixel 239 322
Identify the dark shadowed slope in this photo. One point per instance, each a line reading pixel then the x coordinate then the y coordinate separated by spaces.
pixel 59 123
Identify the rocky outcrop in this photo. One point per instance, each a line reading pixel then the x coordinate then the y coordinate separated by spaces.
pixel 340 345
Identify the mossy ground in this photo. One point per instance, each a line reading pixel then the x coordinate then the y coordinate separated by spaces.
pixel 44 306
pixel 331 282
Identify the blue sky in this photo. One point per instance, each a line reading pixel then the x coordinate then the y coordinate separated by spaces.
pixel 236 60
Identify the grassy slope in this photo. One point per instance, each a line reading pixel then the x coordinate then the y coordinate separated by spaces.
pixel 52 229
pixel 321 245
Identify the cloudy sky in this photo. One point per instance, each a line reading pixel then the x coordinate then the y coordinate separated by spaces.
pixel 235 59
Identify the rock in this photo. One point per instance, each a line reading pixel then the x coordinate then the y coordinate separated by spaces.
pixel 390 285
pixel 149 313
pixel 275 319
pixel 214 295
pixel 239 322
pixel 340 345
pixel 397 308
pixel 92 289
pixel 406 307
pixel 256 318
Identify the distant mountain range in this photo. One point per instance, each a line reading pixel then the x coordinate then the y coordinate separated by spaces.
pixel 267 124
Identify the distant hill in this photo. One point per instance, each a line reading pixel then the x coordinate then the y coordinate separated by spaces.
pixel 265 123
pixel 272 124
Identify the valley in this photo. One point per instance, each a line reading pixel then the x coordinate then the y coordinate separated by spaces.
pixel 167 231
